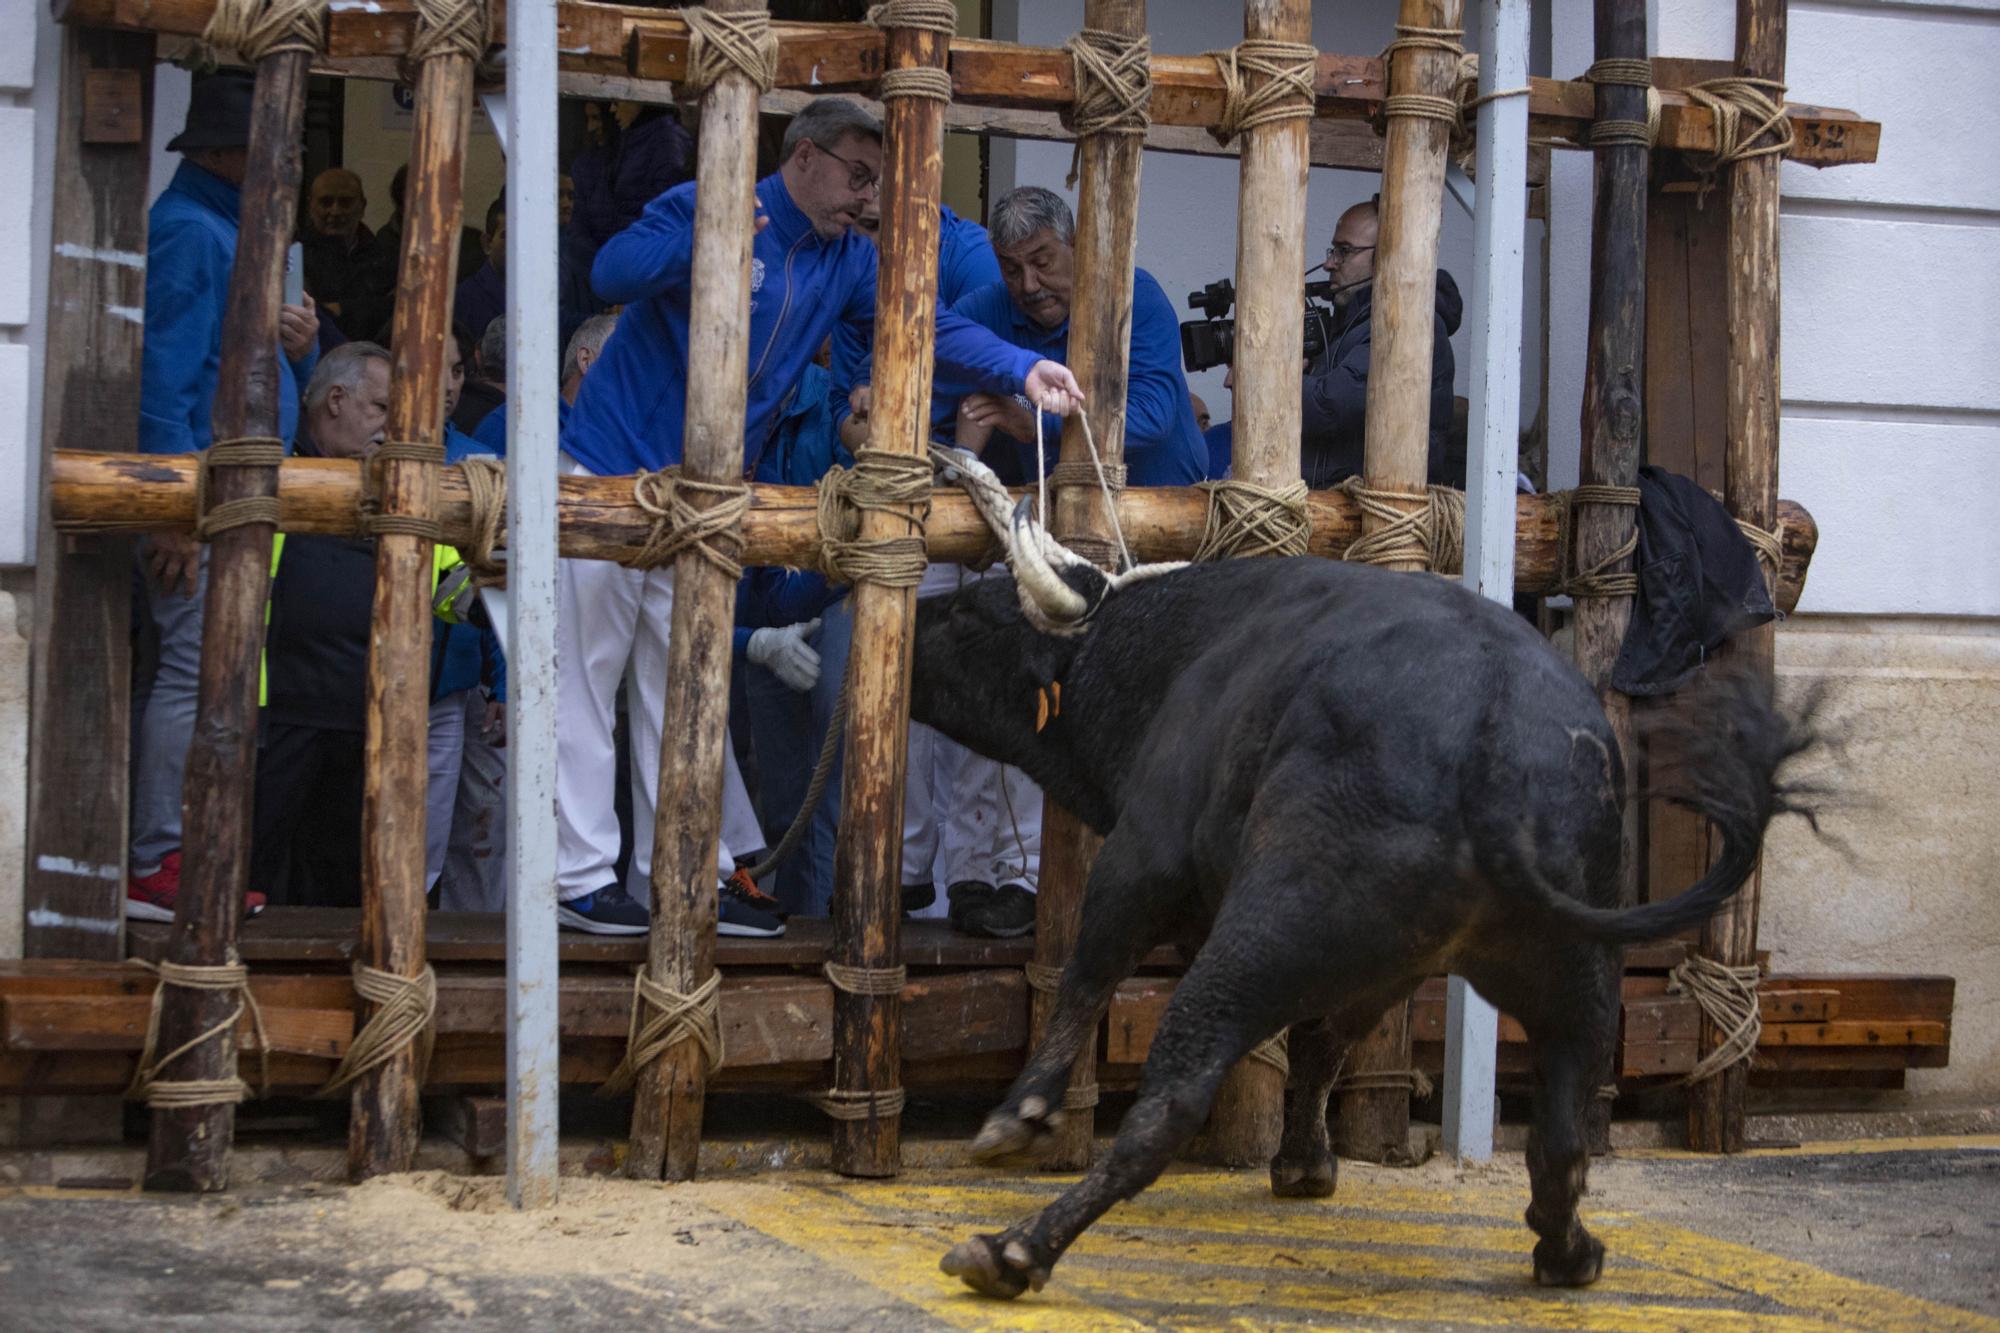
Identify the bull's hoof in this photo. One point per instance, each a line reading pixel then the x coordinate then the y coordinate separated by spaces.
pixel 1577 1264
pixel 1302 1180
pixel 1021 1132
pixel 993 1269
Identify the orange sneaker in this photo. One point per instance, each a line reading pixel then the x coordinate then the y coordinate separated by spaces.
pixel 152 897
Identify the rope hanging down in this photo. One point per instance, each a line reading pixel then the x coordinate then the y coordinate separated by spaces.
pixel 1245 520
pixel 164 1094
pixel 673 1018
pixel 1620 71
pixel 931 81
pixel 1114 88
pixel 1601 579
pixel 1433 533
pixel 375 523
pixel 678 526
pixel 254 29
pixel 720 44
pixel 1285 94
pixel 243 451
pixel 1728 997
pixel 486 494
pixel 405 1008
pixel 885 482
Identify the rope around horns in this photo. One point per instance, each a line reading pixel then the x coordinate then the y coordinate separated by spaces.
pixel 1285 94
pixel 161 1093
pixel 1728 997
pixel 405 1008
pixel 720 44
pixel 673 1018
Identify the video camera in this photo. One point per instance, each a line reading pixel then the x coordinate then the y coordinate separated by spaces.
pixel 1210 342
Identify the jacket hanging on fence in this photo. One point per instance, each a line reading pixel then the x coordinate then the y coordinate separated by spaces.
pixel 1699 583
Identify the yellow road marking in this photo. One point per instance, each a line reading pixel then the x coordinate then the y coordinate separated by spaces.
pixel 1833 1148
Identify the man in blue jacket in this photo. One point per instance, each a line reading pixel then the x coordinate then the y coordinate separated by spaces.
pixel 190 249
pixel 808 273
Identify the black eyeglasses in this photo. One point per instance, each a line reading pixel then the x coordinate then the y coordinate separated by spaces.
pixel 1342 251
pixel 859 177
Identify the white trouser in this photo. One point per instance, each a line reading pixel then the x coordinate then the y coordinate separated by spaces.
pixel 447 750
pixel 612 618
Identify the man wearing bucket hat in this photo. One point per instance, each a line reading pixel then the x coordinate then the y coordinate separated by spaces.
pixel 190 249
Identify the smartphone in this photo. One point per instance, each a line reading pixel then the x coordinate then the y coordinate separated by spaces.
pixel 295 275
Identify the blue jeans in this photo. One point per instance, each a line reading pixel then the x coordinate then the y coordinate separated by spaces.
pixel 781 733
pixel 166 722
pixel 836 636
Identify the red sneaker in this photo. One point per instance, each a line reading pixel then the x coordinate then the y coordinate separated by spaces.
pixel 151 897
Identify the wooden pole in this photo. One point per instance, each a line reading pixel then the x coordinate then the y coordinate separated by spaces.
pixel 1248 1118
pixel 1100 325
pixel 1750 491
pixel 384 1126
pixel 867 873
pixel 1374 1123
pixel 687 822
pixel 189 1147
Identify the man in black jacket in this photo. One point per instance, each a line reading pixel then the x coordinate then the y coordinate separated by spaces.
pixel 1336 382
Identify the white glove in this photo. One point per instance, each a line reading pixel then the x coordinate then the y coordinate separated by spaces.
pixel 785 651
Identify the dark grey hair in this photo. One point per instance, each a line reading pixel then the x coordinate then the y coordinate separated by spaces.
pixel 826 121
pixel 591 335
pixel 493 348
pixel 1023 212
pixel 343 366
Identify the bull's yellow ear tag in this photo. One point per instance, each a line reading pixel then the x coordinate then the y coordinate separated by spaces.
pixel 1041 708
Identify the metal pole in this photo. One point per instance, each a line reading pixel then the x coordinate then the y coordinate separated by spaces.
pixel 532 1075
pixel 1472 1026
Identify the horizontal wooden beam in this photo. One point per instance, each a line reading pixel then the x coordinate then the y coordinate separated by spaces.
pixel 647 50
pixel 600 520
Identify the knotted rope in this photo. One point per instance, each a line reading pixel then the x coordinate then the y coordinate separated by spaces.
pixel 173 1094
pixel 1433 533
pixel 375 523
pixel 679 526
pixel 672 1018
pixel 939 16
pixel 404 1010
pixel 1246 519
pixel 861 1105
pixel 1114 88
pixel 1769 543
pixel 486 492
pixel 1465 95
pixel 1414 1081
pixel 242 451
pixel 720 44
pixel 1728 996
pixel 254 29
pixel 1599 580
pixel 885 482
pixel 447 28
pixel 866 980
pixel 1427 106
pixel 1275 1053
pixel 1285 94
pixel 1730 101
pixel 1043 977
pixel 1625 72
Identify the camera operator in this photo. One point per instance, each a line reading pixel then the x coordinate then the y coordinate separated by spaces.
pixel 1335 390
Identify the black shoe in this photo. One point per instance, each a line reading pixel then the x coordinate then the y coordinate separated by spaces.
pixel 743 910
pixel 1009 913
pixel 964 896
pixel 916 897
pixel 609 911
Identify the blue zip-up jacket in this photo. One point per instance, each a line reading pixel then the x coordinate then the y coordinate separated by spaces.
pixel 804 448
pixel 629 414
pixel 190 248
pixel 965 264
pixel 1163 447
pixel 490 435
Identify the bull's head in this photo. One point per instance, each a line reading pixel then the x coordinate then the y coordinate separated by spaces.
pixel 1059 590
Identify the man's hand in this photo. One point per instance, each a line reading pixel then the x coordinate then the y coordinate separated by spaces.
pixel 1053 389
pixel 495 727
pixel 298 328
pixel 990 412
pixel 972 431
pixel 787 654
pixel 173 562
pixel 859 399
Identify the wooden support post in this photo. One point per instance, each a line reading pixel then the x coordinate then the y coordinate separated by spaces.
pixel 1612 427
pixel 386 1119
pixel 1100 324
pixel 189 1148
pixel 1374 1123
pixel 1248 1118
pixel 77 771
pixel 867 868
pixel 687 821
pixel 1750 491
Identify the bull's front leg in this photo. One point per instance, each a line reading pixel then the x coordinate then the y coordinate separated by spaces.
pixel 1123 918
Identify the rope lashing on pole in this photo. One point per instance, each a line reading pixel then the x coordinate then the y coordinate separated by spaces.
pixel 1769 544
pixel 881 481
pixel 1731 101
pixel 1425 106
pixel 1048 979
pixel 1728 997
pixel 1391 1080
pixel 712 533
pixel 866 980
pixel 719 44
pixel 243 451
pixel 405 1009
pixel 163 1093
pixel 1114 88
pixel 1246 520
pixel 863 1105
pixel 486 495
pixel 1629 72
pixel 1275 1053
pixel 669 1019
pixel 939 16
pixel 447 28
pixel 254 29
pixel 1433 532
pixel 1601 579
pixel 375 523
pixel 1466 95
pixel 1285 94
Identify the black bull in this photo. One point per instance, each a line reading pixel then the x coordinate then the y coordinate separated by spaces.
pixel 1328 782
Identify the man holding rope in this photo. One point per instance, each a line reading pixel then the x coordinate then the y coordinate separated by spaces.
pixel 808 273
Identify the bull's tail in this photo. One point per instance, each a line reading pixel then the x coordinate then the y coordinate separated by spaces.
pixel 1733 745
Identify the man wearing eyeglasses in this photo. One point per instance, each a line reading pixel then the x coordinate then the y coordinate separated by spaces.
pixel 1335 391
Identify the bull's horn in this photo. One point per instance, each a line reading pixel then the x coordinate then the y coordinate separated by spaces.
pixel 1037 578
pixel 989 496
